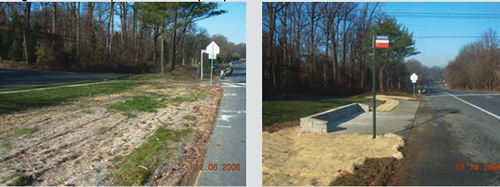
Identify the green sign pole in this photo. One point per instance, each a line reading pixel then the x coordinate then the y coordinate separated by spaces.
pixel 373 90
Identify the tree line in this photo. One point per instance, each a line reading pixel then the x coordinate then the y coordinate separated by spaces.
pixel 83 36
pixel 477 65
pixel 425 74
pixel 326 47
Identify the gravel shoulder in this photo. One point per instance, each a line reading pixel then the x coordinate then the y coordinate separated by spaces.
pixel 75 143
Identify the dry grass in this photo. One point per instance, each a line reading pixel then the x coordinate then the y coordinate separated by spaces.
pixel 291 158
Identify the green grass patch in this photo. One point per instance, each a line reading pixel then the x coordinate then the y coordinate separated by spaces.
pixel 164 86
pixel 6 137
pixel 282 111
pixel 136 168
pixel 40 98
pixel 87 111
pixel 18 179
pixel 152 94
pixel 148 77
pixel 189 117
pixel 5 141
pixel 117 159
pixel 101 130
pixel 24 131
pixel 179 99
pixel 191 96
pixel 139 103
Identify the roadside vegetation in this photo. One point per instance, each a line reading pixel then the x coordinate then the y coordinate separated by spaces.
pixel 136 168
pixel 476 67
pixel 139 103
pixel 326 48
pixel 74 36
pixel 144 143
pixel 66 129
pixel 13 102
pixel 5 138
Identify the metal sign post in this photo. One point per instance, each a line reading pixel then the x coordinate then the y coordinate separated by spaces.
pixel 379 42
pixel 213 51
pixel 374 91
pixel 211 71
pixel 202 52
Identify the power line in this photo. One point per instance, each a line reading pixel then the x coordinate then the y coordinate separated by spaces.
pixel 430 13
pixel 446 36
pixel 444 17
pixel 433 15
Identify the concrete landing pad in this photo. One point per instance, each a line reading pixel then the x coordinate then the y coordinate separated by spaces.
pixel 397 121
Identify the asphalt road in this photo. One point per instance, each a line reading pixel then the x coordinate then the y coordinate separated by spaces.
pixel 14 78
pixel 228 144
pixel 452 131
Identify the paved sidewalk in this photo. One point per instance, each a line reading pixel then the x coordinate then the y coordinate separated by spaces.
pixel 228 144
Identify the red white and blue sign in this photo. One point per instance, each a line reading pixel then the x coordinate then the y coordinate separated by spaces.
pixel 382 42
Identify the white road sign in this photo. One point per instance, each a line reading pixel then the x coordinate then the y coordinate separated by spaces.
pixel 414 78
pixel 212 50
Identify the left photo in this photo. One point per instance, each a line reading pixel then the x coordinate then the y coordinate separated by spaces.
pixel 122 93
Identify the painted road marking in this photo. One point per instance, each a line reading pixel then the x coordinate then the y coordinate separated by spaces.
pixel 487 112
pixel 223 126
pixel 224 117
pixel 230 94
pixel 233 111
pixel 233 85
pixel 467 95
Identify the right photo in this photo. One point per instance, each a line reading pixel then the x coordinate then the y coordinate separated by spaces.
pixel 380 93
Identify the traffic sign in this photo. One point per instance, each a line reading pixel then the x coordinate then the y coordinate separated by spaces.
pixel 414 78
pixel 212 50
pixel 382 42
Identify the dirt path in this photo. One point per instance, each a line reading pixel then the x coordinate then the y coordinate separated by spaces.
pixel 74 143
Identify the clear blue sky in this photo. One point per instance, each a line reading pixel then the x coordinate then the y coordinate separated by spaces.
pixel 439 51
pixel 231 24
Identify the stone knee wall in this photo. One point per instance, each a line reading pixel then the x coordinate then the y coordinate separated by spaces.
pixel 311 125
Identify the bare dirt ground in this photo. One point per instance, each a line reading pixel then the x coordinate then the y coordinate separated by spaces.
pixel 290 158
pixel 74 143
